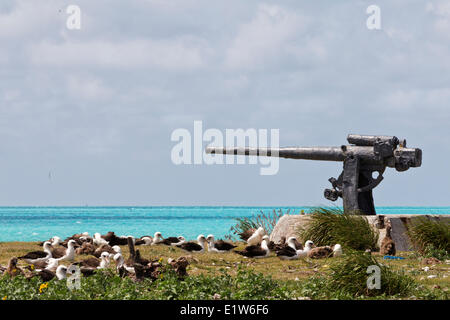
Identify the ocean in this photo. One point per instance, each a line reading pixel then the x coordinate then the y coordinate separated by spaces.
pixel 41 223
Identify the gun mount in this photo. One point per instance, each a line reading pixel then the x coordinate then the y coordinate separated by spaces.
pixel 364 156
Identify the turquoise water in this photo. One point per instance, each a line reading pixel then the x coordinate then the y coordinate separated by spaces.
pixel 41 223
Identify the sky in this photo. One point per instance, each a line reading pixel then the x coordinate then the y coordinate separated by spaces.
pixel 86 115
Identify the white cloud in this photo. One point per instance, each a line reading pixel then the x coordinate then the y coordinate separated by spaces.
pixel 87 87
pixel 264 37
pixel 426 100
pixel 172 54
pixel 28 18
pixel 441 11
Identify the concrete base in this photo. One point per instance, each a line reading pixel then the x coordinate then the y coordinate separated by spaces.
pixel 288 226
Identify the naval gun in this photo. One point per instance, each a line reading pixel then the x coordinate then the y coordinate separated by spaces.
pixel 364 157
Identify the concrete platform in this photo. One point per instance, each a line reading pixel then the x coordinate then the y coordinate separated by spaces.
pixel 288 225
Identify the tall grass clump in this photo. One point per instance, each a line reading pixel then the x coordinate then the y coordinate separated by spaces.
pixel 430 237
pixel 329 226
pixel 265 220
pixel 349 276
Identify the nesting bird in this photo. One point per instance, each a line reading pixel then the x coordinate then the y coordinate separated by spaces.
pixel 325 252
pixel 12 269
pixel 35 256
pixel 191 246
pixel 121 267
pixel 257 251
pixel 256 237
pixel 98 240
pixel 69 254
pixel 387 244
pixel 47 274
pixel 290 251
pixel 218 246
pixel 50 264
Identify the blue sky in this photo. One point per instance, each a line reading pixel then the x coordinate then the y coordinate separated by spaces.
pixel 95 107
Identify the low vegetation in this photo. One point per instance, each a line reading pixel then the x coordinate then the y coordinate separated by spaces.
pixel 350 275
pixel 230 276
pixel 430 237
pixel 265 220
pixel 331 225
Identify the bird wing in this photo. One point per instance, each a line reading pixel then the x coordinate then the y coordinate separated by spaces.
pixel 286 251
pixel 223 245
pixel 58 252
pixel 190 246
pixel 34 255
pixel 172 239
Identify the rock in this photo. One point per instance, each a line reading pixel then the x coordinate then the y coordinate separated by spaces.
pixel 288 226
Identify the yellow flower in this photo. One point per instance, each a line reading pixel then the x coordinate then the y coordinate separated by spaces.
pixel 43 286
pixel 4 298
pixel 160 260
pixel 32 267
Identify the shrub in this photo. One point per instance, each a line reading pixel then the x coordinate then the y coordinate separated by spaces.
pixel 430 237
pixel 329 226
pixel 264 220
pixel 349 276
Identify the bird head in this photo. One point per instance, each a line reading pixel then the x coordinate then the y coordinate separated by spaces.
pixel 71 243
pixel 309 244
pixel 118 258
pixel 47 245
pixel 105 255
pixel 291 240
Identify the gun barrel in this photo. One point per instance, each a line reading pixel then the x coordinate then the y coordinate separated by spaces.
pixel 307 153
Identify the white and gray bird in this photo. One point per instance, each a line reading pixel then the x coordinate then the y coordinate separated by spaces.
pixel 256 237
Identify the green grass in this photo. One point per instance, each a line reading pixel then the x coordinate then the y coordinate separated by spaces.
pixel 430 237
pixel 246 284
pixel 107 285
pixel 329 226
pixel 232 277
pixel 349 275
